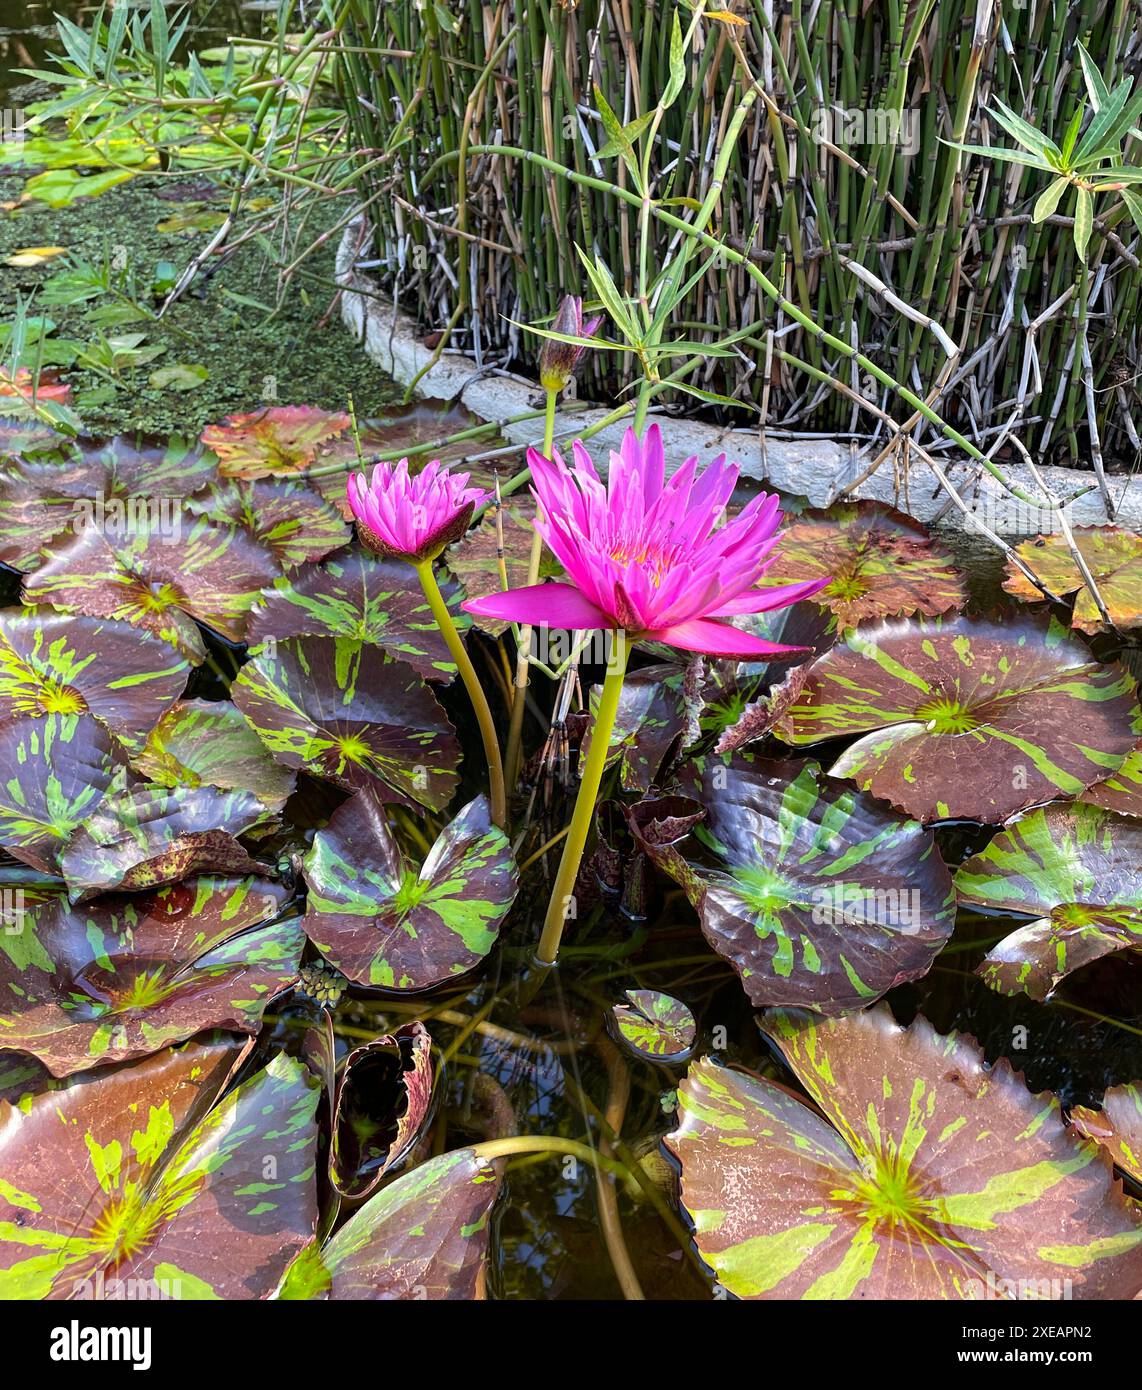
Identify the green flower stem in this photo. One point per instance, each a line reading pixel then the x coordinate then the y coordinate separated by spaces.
pixel 553 1144
pixel 472 685
pixel 583 814
pixel 519 695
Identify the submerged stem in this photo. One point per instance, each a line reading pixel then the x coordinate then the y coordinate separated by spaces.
pixel 474 688
pixel 584 810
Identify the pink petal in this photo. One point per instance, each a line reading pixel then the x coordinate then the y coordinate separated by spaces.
pixel 541 605
pixel 719 639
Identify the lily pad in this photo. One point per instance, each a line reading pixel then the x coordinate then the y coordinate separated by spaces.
pixel 1078 869
pixel 355 595
pixel 128 976
pixel 820 897
pixel 276 440
pixel 382 1102
pixel 967 717
pixel 90 482
pixel 1121 792
pixel 118 1177
pixel 880 563
pixel 655 1025
pixel 142 836
pixel 424 1236
pixel 385 923
pixel 392 436
pixel 208 743
pixel 1117 1126
pixel 917 1172
pixel 1114 558
pixel 55 773
pixel 54 664
pixel 343 710
pixel 159 580
pixel 296 524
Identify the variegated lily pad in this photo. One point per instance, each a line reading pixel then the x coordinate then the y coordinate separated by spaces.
pixel 127 976
pixel 142 836
pixel 1122 791
pixel 274 441
pixel 117 1181
pixel 1114 558
pixel 98 484
pixel 1117 1126
pixel 382 1101
pixel 355 595
pixel 160 581
pixel 1078 869
pixel 54 664
pixel 966 717
pixel 343 710
pixel 655 1025
pixel 385 923
pixel 208 743
pixel 880 563
pixel 53 774
pixel 295 523
pixel 917 1172
pixel 424 1236
pixel 819 896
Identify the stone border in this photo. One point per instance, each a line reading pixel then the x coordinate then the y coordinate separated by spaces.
pixel 815 469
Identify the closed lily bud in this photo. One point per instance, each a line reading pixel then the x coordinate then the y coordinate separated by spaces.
pixel 557 361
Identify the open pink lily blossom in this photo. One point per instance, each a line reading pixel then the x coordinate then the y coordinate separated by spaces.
pixel 411 517
pixel 648 555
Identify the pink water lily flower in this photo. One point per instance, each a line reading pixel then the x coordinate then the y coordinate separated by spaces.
pixel 411 516
pixel 648 555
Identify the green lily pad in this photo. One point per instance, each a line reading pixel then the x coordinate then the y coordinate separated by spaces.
pixel 1078 869
pixel 142 836
pixel 655 1025
pixel 55 773
pixel 128 976
pixel 295 523
pixel 180 376
pixel 424 1236
pixel 967 718
pixel 54 664
pixel 355 595
pixel 1117 1126
pixel 386 923
pixel 118 1181
pixel 880 563
pixel 1114 558
pixel 818 896
pixel 382 1101
pixel 208 743
pixel 161 580
pixel 343 710
pixel 276 440
pixel 917 1172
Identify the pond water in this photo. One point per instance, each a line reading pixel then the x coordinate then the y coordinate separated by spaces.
pixel 546 1064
